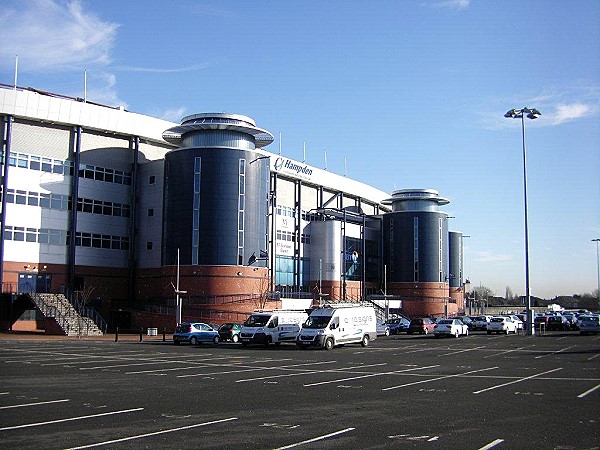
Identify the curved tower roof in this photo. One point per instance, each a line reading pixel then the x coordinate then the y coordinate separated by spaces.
pixel 415 200
pixel 218 121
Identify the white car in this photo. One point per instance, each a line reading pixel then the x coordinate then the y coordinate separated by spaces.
pixel 517 320
pixel 450 327
pixel 501 324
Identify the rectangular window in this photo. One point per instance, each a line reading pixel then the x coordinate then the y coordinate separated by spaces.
pixel 149 245
pixel 150 212
pixel 151 180
pixel 196 210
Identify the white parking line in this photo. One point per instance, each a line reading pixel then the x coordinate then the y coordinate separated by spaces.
pixel 589 391
pixel 288 367
pixel 370 375
pixel 34 404
pixel 28 425
pixel 554 353
pixel 593 357
pixel 516 381
pixel 318 438
pixel 462 351
pixel 508 351
pixel 310 372
pixel 141 436
pixel 438 378
pixel 492 444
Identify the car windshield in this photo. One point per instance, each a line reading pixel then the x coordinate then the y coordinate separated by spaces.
pixel 446 321
pixel 316 322
pixel 257 320
pixel 498 319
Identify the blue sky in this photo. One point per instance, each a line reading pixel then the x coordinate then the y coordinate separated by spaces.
pixel 410 93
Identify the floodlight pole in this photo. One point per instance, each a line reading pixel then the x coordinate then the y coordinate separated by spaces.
pixel 532 113
pixel 597 241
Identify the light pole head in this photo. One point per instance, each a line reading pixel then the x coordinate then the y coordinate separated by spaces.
pixel 531 113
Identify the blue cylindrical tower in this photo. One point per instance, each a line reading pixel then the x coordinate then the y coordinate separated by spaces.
pixel 415 236
pixel 216 188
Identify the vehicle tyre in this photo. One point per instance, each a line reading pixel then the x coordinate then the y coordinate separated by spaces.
pixel 176 342
pixel 235 338
pixel 277 344
pixel 425 331
pixel 436 336
pixel 365 340
pixel 467 332
pixel 387 332
pixel 456 333
pixel 244 344
pixel 216 340
pixel 193 340
pixel 507 331
pixel 267 341
pixel 328 344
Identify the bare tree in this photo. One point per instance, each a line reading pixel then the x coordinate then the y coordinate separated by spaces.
pixel 262 289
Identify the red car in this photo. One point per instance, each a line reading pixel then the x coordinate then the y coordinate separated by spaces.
pixel 422 325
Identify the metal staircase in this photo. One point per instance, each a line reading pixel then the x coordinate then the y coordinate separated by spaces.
pixel 72 321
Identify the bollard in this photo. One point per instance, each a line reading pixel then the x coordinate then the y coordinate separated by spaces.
pixel 117 335
pixel 141 333
pixel 164 334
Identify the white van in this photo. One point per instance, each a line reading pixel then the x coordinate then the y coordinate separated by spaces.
pixel 338 324
pixel 276 326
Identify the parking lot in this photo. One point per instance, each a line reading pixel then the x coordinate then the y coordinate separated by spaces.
pixel 474 392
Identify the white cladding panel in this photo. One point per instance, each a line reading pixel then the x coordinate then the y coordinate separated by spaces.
pixel 67 111
pixel 49 141
pixel 150 194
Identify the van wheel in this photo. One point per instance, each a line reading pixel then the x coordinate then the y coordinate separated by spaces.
pixel 235 338
pixel 328 344
pixel 365 340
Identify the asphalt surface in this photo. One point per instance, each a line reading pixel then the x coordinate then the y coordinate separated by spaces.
pixel 474 392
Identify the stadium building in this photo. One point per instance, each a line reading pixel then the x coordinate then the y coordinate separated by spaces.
pixel 147 221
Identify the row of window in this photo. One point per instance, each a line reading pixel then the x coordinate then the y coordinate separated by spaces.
pixel 62 237
pixel 51 165
pixel 287 211
pixel 63 203
pixel 290 236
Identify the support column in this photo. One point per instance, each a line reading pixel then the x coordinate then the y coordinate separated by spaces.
pixel 6 142
pixel 74 197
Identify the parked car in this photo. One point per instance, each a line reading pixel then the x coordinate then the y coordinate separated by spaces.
pixel 230 332
pixel 589 324
pixel 382 329
pixel 518 321
pixel 572 319
pixel 450 327
pixel 421 325
pixel 399 325
pixel 466 320
pixel 481 322
pixel 195 333
pixel 501 324
pixel 558 323
pixel 540 321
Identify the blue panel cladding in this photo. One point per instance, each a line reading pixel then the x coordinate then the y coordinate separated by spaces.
pixel 455 258
pixel 424 259
pixel 219 205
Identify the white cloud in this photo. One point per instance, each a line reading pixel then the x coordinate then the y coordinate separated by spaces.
pixel 173 114
pixel 54 36
pixel 161 70
pixel 490 257
pixel 455 4
pixel 568 112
